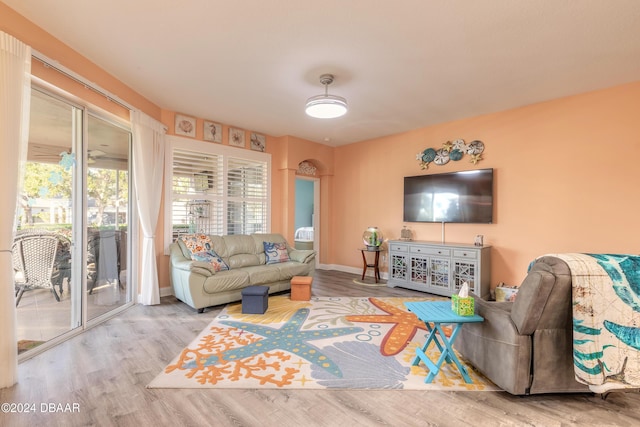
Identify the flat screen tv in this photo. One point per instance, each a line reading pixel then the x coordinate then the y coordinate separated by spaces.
pixel 462 197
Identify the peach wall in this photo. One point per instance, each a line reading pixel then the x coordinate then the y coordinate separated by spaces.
pixel 294 151
pixel 565 170
pixel 566 176
pixel 19 27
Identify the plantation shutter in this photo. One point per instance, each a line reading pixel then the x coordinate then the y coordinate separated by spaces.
pixel 216 190
pixel 247 196
pixel 197 189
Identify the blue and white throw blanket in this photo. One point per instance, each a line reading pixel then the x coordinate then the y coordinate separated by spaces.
pixel 606 320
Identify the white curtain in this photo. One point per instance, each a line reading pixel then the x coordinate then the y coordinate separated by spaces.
pixel 15 97
pixel 148 166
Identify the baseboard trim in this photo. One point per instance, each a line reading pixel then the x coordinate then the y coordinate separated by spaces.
pixel 166 291
pixel 352 270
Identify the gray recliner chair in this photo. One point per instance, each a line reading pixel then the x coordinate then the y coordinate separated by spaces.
pixel 526 346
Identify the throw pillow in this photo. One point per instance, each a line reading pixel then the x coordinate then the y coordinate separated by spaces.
pixel 196 242
pixel 200 247
pixel 276 252
pixel 211 257
pixel 506 293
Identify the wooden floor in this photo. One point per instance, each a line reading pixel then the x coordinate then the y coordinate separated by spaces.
pixel 102 374
pixel 42 318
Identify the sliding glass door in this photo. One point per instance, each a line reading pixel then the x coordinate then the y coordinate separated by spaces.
pixel 43 255
pixel 107 184
pixel 71 245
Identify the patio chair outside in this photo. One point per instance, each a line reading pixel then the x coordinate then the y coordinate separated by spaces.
pixel 34 257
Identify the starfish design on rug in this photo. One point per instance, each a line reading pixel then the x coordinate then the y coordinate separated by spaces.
pixel 289 338
pixel 406 325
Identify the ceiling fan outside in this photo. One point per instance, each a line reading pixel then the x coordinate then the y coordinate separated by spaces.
pixel 93 155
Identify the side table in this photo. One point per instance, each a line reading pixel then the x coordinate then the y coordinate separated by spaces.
pixel 438 313
pixel 374 265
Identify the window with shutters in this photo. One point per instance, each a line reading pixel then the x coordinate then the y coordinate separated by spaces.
pixel 215 189
pixel 246 196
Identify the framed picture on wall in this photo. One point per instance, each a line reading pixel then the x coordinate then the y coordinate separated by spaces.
pixel 236 137
pixel 185 125
pixel 257 142
pixel 212 131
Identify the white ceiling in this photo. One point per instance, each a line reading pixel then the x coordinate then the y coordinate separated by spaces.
pixel 401 64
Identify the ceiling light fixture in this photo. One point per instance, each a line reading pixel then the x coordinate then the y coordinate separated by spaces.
pixel 326 106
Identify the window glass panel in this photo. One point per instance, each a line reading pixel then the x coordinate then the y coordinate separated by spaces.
pixel 42 250
pixel 107 216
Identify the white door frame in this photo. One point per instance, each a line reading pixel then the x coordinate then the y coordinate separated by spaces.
pixel 316 213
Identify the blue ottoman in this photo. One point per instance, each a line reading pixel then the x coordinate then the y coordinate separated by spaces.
pixel 255 299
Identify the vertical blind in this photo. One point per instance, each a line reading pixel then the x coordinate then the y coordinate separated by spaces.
pixel 215 193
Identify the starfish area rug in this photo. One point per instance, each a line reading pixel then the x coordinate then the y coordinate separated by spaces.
pixel 325 343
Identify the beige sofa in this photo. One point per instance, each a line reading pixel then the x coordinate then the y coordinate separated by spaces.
pixel 199 285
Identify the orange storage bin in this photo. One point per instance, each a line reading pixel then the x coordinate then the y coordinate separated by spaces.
pixel 301 288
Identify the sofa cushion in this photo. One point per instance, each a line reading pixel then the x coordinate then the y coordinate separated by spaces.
pixel 243 260
pixel 238 244
pixel 218 245
pixel 226 281
pixel 275 252
pixel 263 274
pixel 260 238
pixel 289 269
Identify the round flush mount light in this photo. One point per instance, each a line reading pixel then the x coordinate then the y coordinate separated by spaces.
pixel 326 106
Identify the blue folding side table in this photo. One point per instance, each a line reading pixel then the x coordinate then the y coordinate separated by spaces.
pixel 439 313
